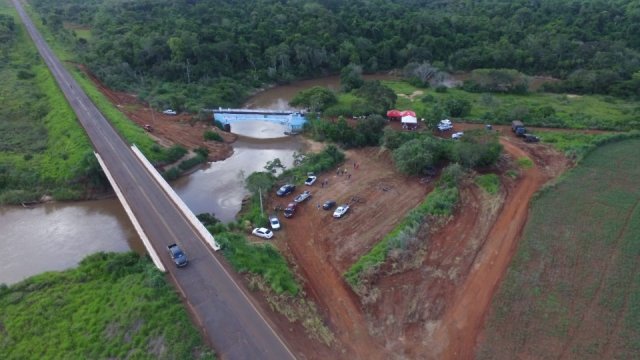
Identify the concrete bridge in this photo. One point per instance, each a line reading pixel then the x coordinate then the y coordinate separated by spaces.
pixel 221 308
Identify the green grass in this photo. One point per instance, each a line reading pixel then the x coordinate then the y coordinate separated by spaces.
pixel 440 202
pixel 582 112
pixel 578 258
pixel 110 306
pixel 489 182
pixel 525 163
pixel 261 259
pixel 577 145
pixel 43 145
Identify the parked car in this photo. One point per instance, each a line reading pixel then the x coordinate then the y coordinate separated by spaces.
pixel 328 205
pixel 310 180
pixel 305 195
pixel 274 222
pixel 285 190
pixel 263 233
pixel 340 211
pixel 445 125
pixel 457 135
pixel 148 127
pixel 290 210
pixel 170 112
pixel 531 138
pixel 177 255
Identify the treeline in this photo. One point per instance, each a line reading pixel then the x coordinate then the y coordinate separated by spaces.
pixel 191 52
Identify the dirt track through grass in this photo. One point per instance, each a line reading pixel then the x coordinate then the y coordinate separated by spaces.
pixel 573 289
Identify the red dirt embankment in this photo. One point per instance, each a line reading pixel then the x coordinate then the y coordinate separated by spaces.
pixel 456 334
pixel 167 129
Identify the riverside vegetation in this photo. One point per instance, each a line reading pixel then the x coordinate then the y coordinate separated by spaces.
pixel 110 306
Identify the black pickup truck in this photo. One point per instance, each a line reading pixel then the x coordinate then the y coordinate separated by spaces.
pixel 177 255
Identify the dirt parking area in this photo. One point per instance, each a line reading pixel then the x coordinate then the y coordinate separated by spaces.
pixel 436 307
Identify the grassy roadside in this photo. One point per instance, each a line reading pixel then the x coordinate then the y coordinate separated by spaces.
pixel 574 282
pixel 110 306
pixel 43 147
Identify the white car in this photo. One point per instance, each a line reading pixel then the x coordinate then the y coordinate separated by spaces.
pixel 445 125
pixel 456 136
pixel 263 233
pixel 170 112
pixel 340 211
pixel 310 180
pixel 302 197
pixel 274 222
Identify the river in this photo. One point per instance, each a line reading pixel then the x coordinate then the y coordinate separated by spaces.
pixel 57 236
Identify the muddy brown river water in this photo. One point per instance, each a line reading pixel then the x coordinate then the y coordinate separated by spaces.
pixel 57 236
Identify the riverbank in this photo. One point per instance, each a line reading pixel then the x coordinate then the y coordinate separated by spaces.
pixel 110 306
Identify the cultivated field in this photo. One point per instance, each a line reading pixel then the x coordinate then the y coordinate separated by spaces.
pixel 573 289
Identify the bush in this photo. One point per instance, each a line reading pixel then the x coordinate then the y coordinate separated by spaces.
pixel 189 163
pixel 172 174
pixel 262 259
pixel 175 152
pixel 489 182
pixel 212 135
pixel 441 89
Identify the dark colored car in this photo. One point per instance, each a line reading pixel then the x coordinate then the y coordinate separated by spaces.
pixel 285 190
pixel 177 255
pixel 531 138
pixel 328 205
pixel 290 210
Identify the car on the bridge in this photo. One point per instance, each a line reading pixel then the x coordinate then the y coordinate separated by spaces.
pixel 340 211
pixel 170 112
pixel 177 255
pixel 286 189
pixel 290 210
pixel 306 195
pixel 263 233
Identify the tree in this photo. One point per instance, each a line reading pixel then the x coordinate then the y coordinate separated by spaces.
pixel 273 166
pixel 457 107
pixel 317 98
pixel 351 77
pixel 259 181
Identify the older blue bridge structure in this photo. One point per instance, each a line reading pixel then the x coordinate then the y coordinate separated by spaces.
pixel 295 120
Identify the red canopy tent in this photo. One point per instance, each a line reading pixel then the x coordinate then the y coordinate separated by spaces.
pixel 394 114
pixel 407 113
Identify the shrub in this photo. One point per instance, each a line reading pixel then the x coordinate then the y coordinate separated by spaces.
pixel 489 182
pixel 175 152
pixel 441 89
pixel 212 135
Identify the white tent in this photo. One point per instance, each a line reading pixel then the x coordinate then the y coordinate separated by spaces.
pixel 409 120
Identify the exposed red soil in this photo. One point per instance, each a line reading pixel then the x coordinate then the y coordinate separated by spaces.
pixel 168 130
pixel 434 308
pixel 324 247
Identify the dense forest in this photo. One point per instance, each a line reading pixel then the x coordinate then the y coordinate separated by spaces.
pixel 211 52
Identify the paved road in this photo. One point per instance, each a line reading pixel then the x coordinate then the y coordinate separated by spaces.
pixel 228 317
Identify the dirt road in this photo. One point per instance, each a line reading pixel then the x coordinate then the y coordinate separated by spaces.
pixel 456 334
